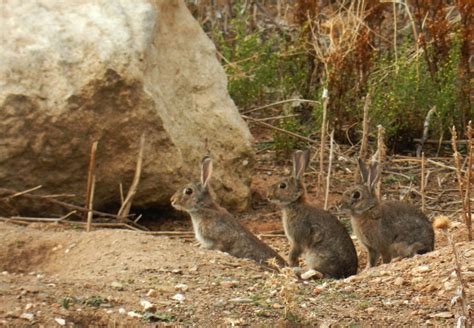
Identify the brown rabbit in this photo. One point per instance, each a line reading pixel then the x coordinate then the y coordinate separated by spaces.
pixel 311 231
pixel 214 227
pixel 390 228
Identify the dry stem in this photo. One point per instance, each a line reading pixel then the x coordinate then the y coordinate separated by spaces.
pixel 462 296
pixel 422 187
pixel 280 129
pixel 468 175
pixel 90 204
pixel 457 162
pixel 90 176
pixel 127 204
pixel 323 139
pixel 328 177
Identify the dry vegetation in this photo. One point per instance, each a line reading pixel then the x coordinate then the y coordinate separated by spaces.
pixel 148 270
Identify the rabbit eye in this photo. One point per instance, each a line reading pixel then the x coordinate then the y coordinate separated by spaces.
pixel 282 185
pixel 356 195
pixel 188 191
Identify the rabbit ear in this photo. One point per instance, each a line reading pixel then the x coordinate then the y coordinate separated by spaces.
pixel 206 170
pixel 364 173
pixel 300 160
pixel 373 175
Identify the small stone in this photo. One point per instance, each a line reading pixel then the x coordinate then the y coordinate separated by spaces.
pixel 181 287
pixel 420 269
pixel 399 281
pixel 117 285
pixel 370 310
pixel 28 306
pixel 277 306
pixel 147 305
pixel 311 274
pixel 178 297
pixel 132 314
pixel 151 293
pixel 27 316
pixel 60 321
pixel 5 273
pixel 241 300
pixel 229 284
pixel 122 311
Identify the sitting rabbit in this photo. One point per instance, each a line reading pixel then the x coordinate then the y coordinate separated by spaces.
pixel 311 231
pixel 214 227
pixel 390 228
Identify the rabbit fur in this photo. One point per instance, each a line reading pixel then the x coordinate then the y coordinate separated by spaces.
pixel 391 228
pixel 312 232
pixel 214 227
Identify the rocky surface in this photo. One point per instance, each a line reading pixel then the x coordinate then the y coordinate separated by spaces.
pixel 73 73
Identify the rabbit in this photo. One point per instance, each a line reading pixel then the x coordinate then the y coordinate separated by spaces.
pixel 313 232
pixel 392 229
pixel 214 227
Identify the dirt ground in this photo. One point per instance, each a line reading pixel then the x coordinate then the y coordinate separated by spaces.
pixel 58 275
pixel 53 276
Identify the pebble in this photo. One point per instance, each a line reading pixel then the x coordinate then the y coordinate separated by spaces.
pixel 241 300
pixel 132 314
pixel 117 285
pixel 399 281
pixel 311 274
pixel 60 321
pixel 122 311
pixel 370 310
pixel 147 305
pixel 229 283
pixel 151 293
pixel 277 306
pixel 420 269
pixel 181 287
pixel 28 306
pixel 178 297
pixel 28 316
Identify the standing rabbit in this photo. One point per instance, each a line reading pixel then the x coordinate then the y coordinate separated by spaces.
pixel 325 243
pixel 214 227
pixel 390 228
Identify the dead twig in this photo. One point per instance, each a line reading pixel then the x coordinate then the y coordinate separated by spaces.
pixel 468 176
pixel 34 219
pixel 90 205
pixel 323 138
pixel 457 162
pixel 280 130
pixel 127 204
pixel 21 193
pixel 279 103
pixel 328 177
pixel 461 296
pixel 47 198
pixel 90 185
pixel 426 126
pixel 422 186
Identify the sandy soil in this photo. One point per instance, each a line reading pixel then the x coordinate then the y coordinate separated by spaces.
pixel 50 274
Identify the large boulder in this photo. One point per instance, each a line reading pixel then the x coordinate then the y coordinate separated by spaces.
pixel 73 72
